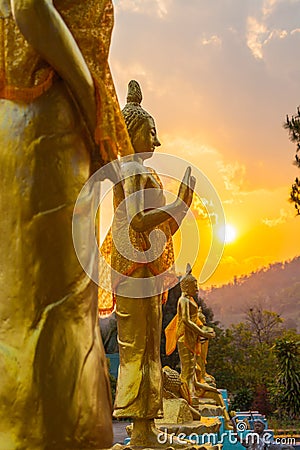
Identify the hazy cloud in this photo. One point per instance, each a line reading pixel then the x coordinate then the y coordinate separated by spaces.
pixel 283 217
pixel 256 32
pixel 262 27
pixel 211 40
pixel 157 8
pixel 233 175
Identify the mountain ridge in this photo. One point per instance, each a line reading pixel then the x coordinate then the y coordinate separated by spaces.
pixel 274 288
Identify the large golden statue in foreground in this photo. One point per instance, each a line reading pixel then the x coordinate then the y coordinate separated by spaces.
pixel 59 119
pixel 139 389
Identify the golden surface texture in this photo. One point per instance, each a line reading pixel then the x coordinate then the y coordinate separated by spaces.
pixel 192 343
pixel 139 389
pixel 24 74
pixel 54 391
pixel 53 377
pixel 140 240
pixel 91 22
pixel 139 314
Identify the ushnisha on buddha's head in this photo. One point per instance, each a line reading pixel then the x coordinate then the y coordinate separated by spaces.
pixel 140 124
pixel 188 283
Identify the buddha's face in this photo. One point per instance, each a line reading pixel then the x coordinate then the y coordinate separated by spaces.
pixel 145 138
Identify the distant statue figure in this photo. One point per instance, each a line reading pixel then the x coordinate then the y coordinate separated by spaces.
pixel 139 388
pixel 189 331
pixel 59 121
pixel 191 334
pixel 175 387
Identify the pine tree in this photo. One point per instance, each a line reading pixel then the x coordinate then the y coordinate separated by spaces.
pixel 293 126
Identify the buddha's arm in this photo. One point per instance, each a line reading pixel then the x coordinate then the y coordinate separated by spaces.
pixel 142 220
pixel 185 311
pixel 206 387
pixel 44 28
pixel 175 223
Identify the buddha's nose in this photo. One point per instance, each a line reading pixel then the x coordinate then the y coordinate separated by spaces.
pixel 156 142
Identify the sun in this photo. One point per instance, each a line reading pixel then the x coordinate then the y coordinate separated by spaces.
pixel 227 233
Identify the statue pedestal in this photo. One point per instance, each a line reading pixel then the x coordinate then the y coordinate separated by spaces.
pixel 176 410
pixel 178 419
pixel 196 427
pixel 178 425
pixel 207 410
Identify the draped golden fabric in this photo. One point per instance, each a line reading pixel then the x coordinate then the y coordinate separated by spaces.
pixel 54 389
pixel 176 329
pixel 24 75
pixel 124 266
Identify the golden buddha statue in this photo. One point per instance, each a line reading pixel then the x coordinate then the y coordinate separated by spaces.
pixel 139 310
pixel 59 120
pixel 188 329
pixel 192 335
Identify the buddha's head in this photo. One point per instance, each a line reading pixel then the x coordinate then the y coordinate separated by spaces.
pixel 140 125
pixel 188 283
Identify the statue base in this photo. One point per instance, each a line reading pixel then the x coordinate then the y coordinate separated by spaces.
pixel 207 410
pixel 206 425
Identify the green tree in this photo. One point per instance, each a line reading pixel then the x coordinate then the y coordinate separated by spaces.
pixel 286 391
pixel 236 359
pixel 241 358
pixel 243 399
pixel 292 124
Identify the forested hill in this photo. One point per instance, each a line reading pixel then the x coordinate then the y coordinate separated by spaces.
pixel 275 288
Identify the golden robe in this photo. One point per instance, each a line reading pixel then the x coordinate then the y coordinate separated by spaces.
pixel 139 389
pixel 54 389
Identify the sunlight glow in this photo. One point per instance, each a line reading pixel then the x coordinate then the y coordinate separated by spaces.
pixel 230 233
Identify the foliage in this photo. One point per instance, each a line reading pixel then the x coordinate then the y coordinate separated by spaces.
pixel 222 359
pixel 293 126
pixel 236 359
pixel 261 400
pixel 286 391
pixel 242 399
pixel 243 360
pixel 290 426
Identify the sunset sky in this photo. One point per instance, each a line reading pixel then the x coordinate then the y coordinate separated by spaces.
pixel 219 77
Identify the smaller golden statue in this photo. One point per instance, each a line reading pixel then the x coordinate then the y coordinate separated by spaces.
pixel 189 331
